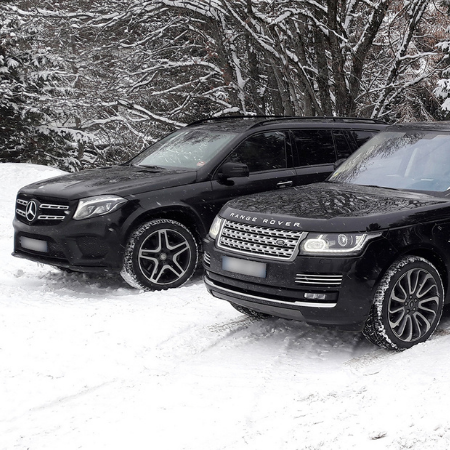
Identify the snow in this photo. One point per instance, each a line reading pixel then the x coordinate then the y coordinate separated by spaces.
pixel 86 362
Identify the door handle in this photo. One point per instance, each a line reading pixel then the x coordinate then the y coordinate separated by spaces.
pixel 284 184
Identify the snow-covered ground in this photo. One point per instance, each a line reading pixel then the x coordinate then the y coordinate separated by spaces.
pixel 86 362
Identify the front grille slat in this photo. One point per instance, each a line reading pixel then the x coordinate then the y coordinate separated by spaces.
pixel 319 280
pixel 49 206
pixel 44 217
pixel 207 258
pixel 275 243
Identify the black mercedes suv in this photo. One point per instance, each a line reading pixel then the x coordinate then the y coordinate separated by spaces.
pixel 368 249
pixel 146 218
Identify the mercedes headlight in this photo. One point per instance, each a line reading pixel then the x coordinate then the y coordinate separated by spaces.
pixel 335 243
pixel 97 206
pixel 215 227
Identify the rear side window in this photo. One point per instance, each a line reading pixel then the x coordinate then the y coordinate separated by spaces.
pixel 262 151
pixel 314 147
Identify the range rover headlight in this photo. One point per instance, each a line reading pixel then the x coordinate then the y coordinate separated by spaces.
pixel 97 206
pixel 215 227
pixel 335 243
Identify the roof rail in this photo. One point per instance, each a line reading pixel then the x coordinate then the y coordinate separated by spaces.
pixel 323 119
pixel 268 119
pixel 220 118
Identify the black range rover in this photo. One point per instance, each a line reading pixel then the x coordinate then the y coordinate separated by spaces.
pixel 146 219
pixel 369 249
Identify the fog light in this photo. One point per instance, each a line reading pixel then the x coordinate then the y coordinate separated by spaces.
pixel 310 296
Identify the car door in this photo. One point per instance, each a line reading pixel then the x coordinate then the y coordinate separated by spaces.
pixel 314 155
pixel 268 156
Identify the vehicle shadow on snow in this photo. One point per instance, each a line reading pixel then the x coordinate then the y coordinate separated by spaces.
pixel 96 283
pixel 298 336
pixel 444 326
pixel 293 337
pixel 322 342
pixel 86 282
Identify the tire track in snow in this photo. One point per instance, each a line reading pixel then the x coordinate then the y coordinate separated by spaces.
pixel 195 340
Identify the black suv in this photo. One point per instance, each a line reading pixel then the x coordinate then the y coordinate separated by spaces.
pixel 146 218
pixel 369 249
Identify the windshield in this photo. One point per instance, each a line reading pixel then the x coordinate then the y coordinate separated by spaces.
pixel 188 148
pixel 418 160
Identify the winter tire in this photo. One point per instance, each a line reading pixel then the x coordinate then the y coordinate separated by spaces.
pixel 407 305
pixel 250 312
pixel 160 254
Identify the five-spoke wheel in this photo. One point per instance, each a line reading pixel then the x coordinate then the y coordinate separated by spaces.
pixel 407 306
pixel 160 254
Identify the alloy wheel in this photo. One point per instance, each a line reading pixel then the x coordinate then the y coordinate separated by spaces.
pixel 164 256
pixel 413 305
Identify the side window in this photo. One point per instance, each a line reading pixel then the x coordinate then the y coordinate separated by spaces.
pixel 314 147
pixel 263 151
pixel 344 143
pixel 362 136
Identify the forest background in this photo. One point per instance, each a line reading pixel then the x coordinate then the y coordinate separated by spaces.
pixel 87 83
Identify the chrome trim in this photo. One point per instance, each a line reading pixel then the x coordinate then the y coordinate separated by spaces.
pixel 44 217
pixel 50 206
pixel 207 258
pixel 319 279
pixel 279 302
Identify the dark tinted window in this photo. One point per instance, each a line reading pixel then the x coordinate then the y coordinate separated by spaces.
pixel 362 136
pixel 264 151
pixel 343 142
pixel 314 147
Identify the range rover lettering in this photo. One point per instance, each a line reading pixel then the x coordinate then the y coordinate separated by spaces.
pixel 146 219
pixel 367 250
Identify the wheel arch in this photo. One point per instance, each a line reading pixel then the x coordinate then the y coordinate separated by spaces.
pixel 438 262
pixel 179 213
pixel 433 256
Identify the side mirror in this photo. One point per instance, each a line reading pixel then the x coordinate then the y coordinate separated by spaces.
pixel 233 170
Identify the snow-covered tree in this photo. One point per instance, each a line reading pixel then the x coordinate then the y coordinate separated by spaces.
pixel 117 75
pixel 442 90
pixel 30 78
pixel 287 57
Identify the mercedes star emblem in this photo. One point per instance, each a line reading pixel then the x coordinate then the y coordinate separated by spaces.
pixel 31 211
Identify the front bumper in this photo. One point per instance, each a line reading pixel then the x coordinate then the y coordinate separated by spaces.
pixel 331 291
pixel 90 245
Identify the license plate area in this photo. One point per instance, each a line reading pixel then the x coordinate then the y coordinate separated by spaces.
pixel 37 245
pixel 244 267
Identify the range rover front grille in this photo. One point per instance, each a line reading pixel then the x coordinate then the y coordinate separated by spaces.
pixel 39 211
pixel 275 243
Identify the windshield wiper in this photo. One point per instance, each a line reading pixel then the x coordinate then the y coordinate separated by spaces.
pixel 385 187
pixel 151 167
